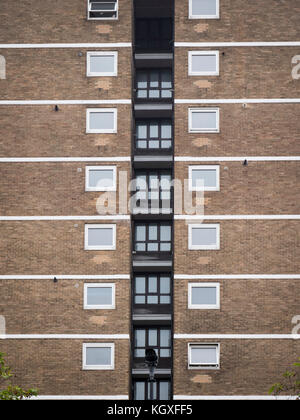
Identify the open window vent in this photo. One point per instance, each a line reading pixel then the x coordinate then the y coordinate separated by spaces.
pixel 103 9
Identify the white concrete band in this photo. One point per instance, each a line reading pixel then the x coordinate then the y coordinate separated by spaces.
pixel 238 44
pixel 64 337
pixel 66 277
pixel 71 45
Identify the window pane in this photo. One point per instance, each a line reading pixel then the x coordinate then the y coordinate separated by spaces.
pixel 153 131
pixel 204 7
pixel 205 355
pixel 140 300
pixel 101 178
pixel 164 390
pixel 141 80
pixel 102 64
pixel 165 233
pixel 139 353
pixel 142 144
pixel 165 353
pixel 154 93
pixel 141 131
pixel 139 393
pixel 101 120
pixel 166 131
pixel 204 236
pixel 140 284
pixel 166 144
pixel 154 79
pixel 204 295
pixel 165 285
pixel 204 120
pixel 152 300
pixel 154 390
pixel 103 6
pixel 140 337
pixel 152 247
pixel 142 93
pixel 140 247
pixel 204 63
pixel 140 233
pixel 152 337
pixel 152 284
pixel 165 247
pixel 154 144
pixel 165 338
pixel 165 300
pixel 99 296
pixel 152 232
pixel 204 177
pixel 98 355
pixel 100 237
pixel 166 80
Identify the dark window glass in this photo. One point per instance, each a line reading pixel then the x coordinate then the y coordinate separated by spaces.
pixel 154 84
pixel 152 289
pixel 154 134
pixel 158 339
pixel 153 237
pixel 161 390
pixel 153 34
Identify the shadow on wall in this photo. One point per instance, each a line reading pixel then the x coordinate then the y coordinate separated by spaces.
pixel 2 67
pixel 2 325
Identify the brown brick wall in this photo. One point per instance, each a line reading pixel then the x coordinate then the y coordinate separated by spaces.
pixel 55 367
pixel 60 73
pixel 246 307
pixel 57 247
pixel 34 130
pixel 45 307
pixel 257 130
pixel 259 188
pixel 247 367
pixel 244 73
pixel 57 22
pixel 56 188
pixel 246 247
pixel 266 20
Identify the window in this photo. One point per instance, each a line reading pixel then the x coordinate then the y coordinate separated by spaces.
pixel 98 356
pixel 203 120
pixel 204 296
pixel 153 191
pixel 154 84
pixel 101 120
pixel 102 63
pixel 102 9
pixel 152 289
pixel 153 34
pixel 154 134
pixel 99 296
pixel 205 356
pixel 161 390
pixel 100 178
pixel 204 236
pixel 204 9
pixel 152 237
pixel 203 63
pixel 100 237
pixel 157 338
pixel 204 178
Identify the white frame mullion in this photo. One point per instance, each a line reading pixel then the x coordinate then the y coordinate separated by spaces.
pixel 101 130
pixel 202 285
pixel 100 168
pixel 99 285
pixel 203 365
pixel 88 247
pixel 204 110
pixel 98 367
pixel 204 167
pixel 203 226
pixel 203 73
pixel 216 16
pixel 89 54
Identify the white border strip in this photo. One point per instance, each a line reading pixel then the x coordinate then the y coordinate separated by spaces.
pixel 111 217
pixel 64 336
pixel 238 44
pixel 234 158
pixel 80 397
pixel 238 101
pixel 69 102
pixel 66 277
pixel 234 397
pixel 71 45
pixel 64 159
pixel 238 217
pixel 238 336
pixel 236 276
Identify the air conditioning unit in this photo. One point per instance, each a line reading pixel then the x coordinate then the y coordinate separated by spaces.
pixel 102 9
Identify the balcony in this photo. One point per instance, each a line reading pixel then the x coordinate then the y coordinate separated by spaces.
pixel 154 85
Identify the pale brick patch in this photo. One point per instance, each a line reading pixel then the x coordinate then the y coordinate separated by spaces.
pixel 104 29
pixel 104 84
pixel 200 142
pixel 98 320
pixel 201 379
pixel 203 84
pixel 201 27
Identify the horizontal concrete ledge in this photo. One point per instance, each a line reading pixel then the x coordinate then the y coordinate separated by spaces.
pixel 68 102
pixel 153 56
pixel 234 397
pixel 151 317
pixel 64 337
pixel 238 336
pixel 146 372
pixel 236 276
pixel 28 218
pixel 239 101
pixel 65 277
pixel 237 217
pixel 64 159
pixel 71 45
pixel 235 158
pixel 80 397
pixel 238 44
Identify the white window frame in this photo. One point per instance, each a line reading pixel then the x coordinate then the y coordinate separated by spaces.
pixel 90 54
pixel 99 247
pixel 100 168
pixel 204 130
pixel 203 73
pixel 102 18
pixel 204 306
pixel 216 16
pixel 98 367
pixel 205 167
pixel 101 110
pixel 203 365
pixel 99 285
pixel 204 247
